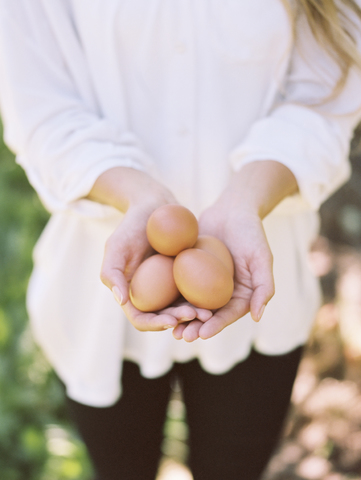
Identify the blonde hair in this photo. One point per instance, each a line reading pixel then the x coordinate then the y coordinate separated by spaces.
pixel 332 27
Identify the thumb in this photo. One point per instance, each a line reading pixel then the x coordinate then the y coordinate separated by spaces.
pixel 119 297
pixel 261 296
pixel 263 288
pixel 114 278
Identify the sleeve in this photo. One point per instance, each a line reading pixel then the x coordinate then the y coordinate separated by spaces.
pixel 51 121
pixel 305 132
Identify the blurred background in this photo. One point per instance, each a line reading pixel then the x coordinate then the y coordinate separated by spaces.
pixel 322 436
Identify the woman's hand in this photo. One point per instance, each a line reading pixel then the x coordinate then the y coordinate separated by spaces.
pixel 125 249
pixel 244 236
pixel 138 195
pixel 236 219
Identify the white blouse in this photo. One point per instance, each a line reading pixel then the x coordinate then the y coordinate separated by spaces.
pixel 187 90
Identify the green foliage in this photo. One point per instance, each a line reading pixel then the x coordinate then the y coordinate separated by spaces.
pixel 36 440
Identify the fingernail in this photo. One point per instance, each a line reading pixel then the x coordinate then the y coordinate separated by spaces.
pixel 261 312
pixel 117 295
pixel 186 319
pixel 166 327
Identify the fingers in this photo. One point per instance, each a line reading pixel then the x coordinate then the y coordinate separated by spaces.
pixel 171 317
pixel 234 310
pixel 185 311
pixel 246 299
pixel 188 331
pixel 203 315
pixel 113 268
pixel 114 278
pixel 263 285
pixel 149 322
pixel 124 251
pixel 178 331
pixel 182 313
pixel 261 296
pixel 191 331
pixel 119 298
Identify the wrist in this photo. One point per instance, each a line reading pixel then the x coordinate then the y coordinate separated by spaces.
pixel 240 201
pixel 123 188
pixel 258 187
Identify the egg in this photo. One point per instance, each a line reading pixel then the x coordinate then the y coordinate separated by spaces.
pixel 171 229
pixel 216 247
pixel 202 279
pixel 152 287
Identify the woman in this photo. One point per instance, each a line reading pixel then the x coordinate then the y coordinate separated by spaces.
pixel 241 111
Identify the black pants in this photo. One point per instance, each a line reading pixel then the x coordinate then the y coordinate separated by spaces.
pixel 234 419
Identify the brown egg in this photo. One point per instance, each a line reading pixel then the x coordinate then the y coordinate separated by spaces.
pixel 171 229
pixel 202 279
pixel 152 286
pixel 216 247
